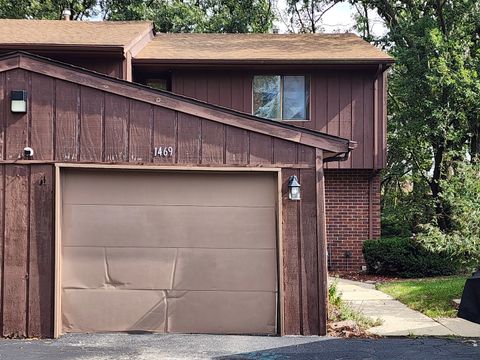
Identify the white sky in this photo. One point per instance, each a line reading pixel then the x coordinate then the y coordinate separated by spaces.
pixel 340 18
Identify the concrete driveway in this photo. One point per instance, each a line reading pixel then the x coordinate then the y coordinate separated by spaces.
pixel 155 346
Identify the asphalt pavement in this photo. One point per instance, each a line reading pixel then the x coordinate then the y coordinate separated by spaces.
pixel 172 346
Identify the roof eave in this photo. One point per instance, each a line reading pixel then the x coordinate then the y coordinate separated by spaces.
pixel 163 61
pixel 72 48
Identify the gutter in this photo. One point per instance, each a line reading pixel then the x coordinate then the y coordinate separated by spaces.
pixel 343 156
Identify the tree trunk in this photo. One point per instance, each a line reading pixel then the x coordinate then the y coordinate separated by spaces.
pixel 436 189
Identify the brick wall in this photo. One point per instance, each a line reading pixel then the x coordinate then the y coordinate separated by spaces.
pixel 348 196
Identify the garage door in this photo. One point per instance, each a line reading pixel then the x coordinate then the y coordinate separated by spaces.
pixel 187 252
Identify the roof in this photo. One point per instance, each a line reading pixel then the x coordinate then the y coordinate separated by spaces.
pixel 332 144
pixel 121 34
pixel 266 48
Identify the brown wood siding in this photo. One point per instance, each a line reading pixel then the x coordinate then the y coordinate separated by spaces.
pixel 341 104
pixel 90 125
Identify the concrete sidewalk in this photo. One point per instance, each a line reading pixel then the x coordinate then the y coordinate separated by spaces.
pixel 398 319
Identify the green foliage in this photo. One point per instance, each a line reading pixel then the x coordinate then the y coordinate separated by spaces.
pixel 461 190
pixel 230 16
pixel 432 297
pixel 406 258
pixel 194 15
pixel 433 104
pixel 47 9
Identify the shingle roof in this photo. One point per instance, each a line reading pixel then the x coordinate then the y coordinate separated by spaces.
pixel 72 33
pixel 315 48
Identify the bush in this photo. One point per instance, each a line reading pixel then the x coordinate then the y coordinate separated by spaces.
pixel 404 257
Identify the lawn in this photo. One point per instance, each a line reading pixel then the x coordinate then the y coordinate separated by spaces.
pixel 431 296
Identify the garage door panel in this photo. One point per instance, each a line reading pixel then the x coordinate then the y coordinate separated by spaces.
pixel 141 268
pixel 83 267
pixel 197 249
pixel 168 188
pixel 169 226
pixel 221 312
pixel 113 310
pixel 225 269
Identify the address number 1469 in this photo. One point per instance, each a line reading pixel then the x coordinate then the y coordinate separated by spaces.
pixel 163 151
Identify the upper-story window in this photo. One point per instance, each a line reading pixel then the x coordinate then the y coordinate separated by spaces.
pixel 281 97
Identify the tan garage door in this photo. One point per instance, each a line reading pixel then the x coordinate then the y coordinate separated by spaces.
pixel 181 252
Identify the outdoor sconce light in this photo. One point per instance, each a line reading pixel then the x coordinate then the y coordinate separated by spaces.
pixel 18 100
pixel 293 188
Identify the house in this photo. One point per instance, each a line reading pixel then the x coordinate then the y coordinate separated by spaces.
pixel 130 208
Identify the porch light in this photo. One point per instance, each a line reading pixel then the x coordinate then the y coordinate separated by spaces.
pixel 18 99
pixel 293 188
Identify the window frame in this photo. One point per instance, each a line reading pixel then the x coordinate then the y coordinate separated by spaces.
pixel 308 80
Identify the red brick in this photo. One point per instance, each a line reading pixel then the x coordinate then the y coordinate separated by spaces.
pixel 347 205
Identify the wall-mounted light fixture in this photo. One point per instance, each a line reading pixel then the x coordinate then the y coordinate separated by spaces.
pixel 18 101
pixel 293 188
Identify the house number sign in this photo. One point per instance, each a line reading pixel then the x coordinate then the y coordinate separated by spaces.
pixel 163 151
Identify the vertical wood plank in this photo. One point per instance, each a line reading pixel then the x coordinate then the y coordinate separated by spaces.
pixel 247 93
pixel 16 124
pixel 236 146
pixel 67 106
pixel 213 142
pixel 238 94
pixel 333 110
pixel 201 88
pixel 91 124
pixel 321 244
pixel 225 87
pixel 312 111
pixel 291 262
pixel 308 253
pixel 40 283
pixel 141 118
pixel 368 123
pixel 284 151
pixel 261 149
pixel 382 122
pixel 306 154
pixel 116 128
pixel 213 89
pixel 177 83
pixel 42 95
pixel 3 110
pixel 188 132
pixel 345 116
pixel 15 261
pixel 321 102
pixel 357 121
pixel 189 86
pixel 2 240
pixel 164 123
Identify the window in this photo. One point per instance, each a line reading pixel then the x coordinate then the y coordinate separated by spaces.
pixel 159 84
pixel 281 97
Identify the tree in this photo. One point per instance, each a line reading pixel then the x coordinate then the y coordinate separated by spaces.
pixel 305 16
pixel 462 240
pixel 48 9
pixel 195 15
pixel 433 103
pixel 168 15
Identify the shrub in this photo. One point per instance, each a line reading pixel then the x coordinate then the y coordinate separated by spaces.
pixel 405 257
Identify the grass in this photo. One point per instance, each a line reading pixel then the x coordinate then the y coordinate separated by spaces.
pixel 432 297
pixel 340 310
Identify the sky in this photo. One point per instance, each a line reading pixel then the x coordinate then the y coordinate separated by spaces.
pixel 340 18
